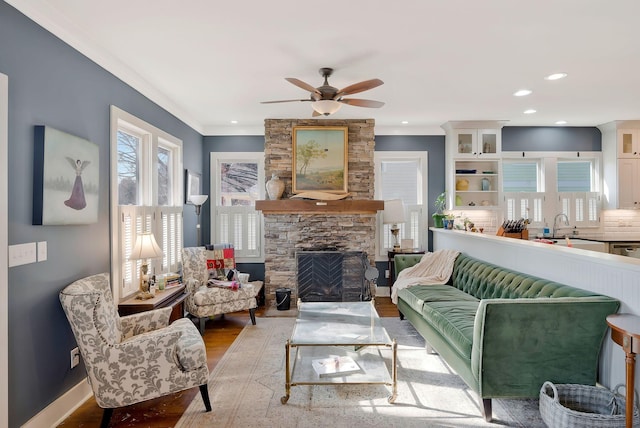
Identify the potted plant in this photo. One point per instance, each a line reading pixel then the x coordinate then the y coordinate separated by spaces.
pixel 438 216
pixel 449 220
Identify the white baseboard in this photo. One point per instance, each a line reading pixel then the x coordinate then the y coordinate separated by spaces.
pixel 60 409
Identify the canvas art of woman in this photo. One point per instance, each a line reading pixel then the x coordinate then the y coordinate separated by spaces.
pixel 77 200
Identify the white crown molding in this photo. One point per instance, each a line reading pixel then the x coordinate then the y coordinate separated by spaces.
pixel 379 130
pixel 48 17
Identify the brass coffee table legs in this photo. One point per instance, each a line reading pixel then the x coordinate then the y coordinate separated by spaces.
pixel 289 372
pixel 287 348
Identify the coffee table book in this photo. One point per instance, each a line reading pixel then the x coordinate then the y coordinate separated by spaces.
pixel 335 366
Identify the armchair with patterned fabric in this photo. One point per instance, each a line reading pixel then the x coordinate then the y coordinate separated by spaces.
pixel 204 302
pixel 134 358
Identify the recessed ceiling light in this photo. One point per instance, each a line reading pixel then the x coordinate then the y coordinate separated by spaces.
pixel 234 121
pixel 561 122
pixel 522 92
pixel 405 122
pixel 556 76
pixel 530 111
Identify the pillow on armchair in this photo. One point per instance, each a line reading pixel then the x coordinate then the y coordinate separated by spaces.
pixel 220 259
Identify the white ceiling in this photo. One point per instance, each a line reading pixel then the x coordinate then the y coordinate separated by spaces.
pixel 210 62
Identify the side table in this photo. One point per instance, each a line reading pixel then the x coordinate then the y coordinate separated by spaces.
pixel 172 297
pixel 391 264
pixel 625 331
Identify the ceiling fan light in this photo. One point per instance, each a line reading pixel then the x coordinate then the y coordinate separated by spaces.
pixel 326 107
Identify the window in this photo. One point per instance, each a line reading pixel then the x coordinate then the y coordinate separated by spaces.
pixel 402 175
pixel 147 185
pixel 539 188
pixel 237 181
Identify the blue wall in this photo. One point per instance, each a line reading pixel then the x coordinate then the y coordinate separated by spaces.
pixel 551 139
pixel 52 84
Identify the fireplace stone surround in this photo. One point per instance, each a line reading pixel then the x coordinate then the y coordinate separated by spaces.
pixel 287 233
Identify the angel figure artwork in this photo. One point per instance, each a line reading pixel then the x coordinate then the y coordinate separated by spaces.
pixel 77 200
pixel 54 152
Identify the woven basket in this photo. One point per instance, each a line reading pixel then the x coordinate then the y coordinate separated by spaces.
pixel 583 406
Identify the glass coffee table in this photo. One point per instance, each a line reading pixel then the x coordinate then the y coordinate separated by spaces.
pixel 334 336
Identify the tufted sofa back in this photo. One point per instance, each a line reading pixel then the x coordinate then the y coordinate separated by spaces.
pixel 487 281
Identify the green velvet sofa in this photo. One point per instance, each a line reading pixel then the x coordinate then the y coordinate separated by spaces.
pixel 506 332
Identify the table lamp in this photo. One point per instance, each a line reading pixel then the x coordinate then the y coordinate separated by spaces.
pixel 393 214
pixel 197 201
pixel 144 249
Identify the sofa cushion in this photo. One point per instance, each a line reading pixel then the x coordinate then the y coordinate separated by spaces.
pixel 453 320
pixel 214 296
pixel 417 295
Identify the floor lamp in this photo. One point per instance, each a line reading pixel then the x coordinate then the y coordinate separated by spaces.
pixel 393 214
pixel 197 201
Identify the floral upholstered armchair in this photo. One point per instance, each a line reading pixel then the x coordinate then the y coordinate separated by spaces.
pixel 204 302
pixel 133 358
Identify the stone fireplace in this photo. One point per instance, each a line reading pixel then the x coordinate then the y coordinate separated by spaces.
pixel 288 233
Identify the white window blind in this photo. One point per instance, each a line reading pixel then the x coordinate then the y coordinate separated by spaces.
pixel 527 205
pixel 147 185
pixel 237 181
pixel 402 175
pixel 582 208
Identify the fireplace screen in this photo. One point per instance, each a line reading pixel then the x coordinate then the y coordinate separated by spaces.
pixel 331 276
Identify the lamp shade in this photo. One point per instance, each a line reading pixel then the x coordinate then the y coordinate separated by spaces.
pixel 198 199
pixel 326 107
pixel 145 247
pixel 393 212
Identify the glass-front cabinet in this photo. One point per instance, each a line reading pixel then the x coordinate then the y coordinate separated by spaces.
pixel 628 143
pixel 473 152
pixel 474 143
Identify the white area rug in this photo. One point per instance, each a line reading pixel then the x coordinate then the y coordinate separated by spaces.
pixel 247 384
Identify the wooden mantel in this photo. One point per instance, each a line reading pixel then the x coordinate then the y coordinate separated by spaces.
pixel 305 206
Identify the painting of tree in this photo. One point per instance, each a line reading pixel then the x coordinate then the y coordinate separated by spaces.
pixel 320 159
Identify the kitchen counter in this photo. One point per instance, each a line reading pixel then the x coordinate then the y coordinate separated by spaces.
pixel 608 237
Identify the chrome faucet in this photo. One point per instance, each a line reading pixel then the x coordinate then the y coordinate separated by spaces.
pixel 555 221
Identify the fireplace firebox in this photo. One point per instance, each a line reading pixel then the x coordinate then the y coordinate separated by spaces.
pixel 332 276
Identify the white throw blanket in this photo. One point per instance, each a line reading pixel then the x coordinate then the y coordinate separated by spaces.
pixel 433 268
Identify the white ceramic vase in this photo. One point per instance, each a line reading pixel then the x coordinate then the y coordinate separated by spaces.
pixel 275 187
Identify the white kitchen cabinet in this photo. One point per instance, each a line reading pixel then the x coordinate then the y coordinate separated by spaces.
pixel 473 152
pixel 628 143
pixel 629 183
pixel 477 143
pixel 621 164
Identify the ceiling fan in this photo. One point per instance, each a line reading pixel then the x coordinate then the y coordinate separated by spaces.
pixel 327 99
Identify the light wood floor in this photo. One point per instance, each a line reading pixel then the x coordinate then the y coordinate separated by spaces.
pixel 166 411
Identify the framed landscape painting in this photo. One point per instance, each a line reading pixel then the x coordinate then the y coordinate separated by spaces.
pixel 320 159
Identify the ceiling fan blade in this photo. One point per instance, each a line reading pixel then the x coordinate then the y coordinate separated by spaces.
pixel 359 87
pixel 282 101
pixel 361 103
pixel 307 87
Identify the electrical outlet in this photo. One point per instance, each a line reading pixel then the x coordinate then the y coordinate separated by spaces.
pixel 75 357
pixel 386 273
